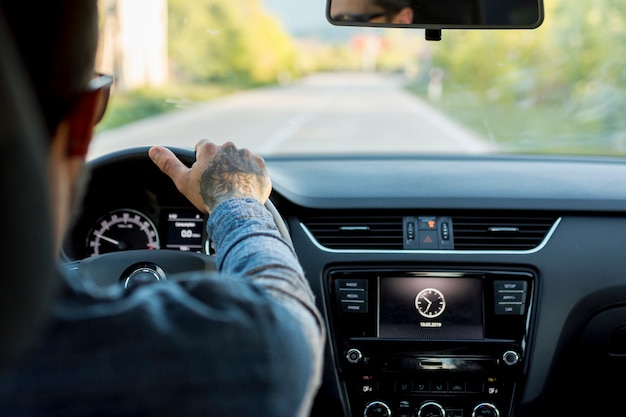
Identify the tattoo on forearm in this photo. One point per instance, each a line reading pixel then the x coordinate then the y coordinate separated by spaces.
pixel 230 175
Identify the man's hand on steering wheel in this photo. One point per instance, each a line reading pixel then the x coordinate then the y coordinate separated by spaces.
pixel 219 173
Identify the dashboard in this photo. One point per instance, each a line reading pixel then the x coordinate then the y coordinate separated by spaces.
pixel 480 286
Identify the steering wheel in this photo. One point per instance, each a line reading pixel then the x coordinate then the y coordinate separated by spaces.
pixel 136 267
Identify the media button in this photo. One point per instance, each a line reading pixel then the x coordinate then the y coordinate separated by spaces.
pixel 352 295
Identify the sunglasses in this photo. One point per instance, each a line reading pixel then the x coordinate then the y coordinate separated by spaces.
pixel 96 94
pixel 101 84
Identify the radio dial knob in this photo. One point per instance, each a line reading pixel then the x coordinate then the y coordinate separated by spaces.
pixel 431 409
pixel 377 409
pixel 510 357
pixel 354 356
pixel 485 410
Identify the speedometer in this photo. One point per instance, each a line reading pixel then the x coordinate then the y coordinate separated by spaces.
pixel 121 230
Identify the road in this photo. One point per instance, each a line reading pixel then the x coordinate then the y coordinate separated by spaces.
pixel 322 113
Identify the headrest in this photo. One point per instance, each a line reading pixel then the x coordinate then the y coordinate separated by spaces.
pixel 28 279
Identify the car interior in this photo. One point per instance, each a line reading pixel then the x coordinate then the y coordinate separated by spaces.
pixel 450 285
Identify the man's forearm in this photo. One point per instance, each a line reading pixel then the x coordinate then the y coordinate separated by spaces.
pixel 249 244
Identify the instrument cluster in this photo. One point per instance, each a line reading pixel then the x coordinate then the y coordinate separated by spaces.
pixel 129 204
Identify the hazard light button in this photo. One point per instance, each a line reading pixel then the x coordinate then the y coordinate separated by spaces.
pixel 428 239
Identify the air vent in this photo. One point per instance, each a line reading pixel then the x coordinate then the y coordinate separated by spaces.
pixel 357 232
pixel 500 232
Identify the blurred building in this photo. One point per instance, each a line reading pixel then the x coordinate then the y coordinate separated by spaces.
pixel 134 42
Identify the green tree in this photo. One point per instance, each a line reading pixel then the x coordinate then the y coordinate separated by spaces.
pixel 225 40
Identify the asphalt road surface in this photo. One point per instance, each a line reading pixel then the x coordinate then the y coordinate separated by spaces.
pixel 323 113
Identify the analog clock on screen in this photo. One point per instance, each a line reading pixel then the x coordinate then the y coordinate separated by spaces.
pixel 430 303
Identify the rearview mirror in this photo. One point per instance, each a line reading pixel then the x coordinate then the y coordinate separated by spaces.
pixel 437 14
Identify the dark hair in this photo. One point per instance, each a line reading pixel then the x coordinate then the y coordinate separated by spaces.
pixel 391 7
pixel 58 40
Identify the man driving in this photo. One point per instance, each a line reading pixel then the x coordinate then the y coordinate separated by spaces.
pixel 246 341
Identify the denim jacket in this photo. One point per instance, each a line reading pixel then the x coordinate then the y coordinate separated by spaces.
pixel 245 341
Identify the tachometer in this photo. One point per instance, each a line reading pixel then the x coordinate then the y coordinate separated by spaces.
pixel 121 230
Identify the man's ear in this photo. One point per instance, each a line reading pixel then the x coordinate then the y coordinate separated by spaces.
pixel 81 121
pixel 404 16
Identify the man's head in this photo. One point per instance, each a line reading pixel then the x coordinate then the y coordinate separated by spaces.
pixel 47 67
pixel 373 11
pixel 57 40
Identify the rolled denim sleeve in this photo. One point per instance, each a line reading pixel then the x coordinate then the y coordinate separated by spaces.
pixel 248 244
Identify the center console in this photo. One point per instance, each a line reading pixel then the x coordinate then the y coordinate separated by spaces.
pixel 429 342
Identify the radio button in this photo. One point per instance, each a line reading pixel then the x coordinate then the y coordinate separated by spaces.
pixel 350 284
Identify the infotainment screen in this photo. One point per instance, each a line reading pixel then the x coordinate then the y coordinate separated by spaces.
pixel 430 308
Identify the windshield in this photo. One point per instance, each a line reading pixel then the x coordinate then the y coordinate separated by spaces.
pixel 274 76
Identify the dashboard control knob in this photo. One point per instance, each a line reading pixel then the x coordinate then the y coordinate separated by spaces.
pixel 431 409
pixel 377 409
pixel 485 410
pixel 354 355
pixel 510 357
